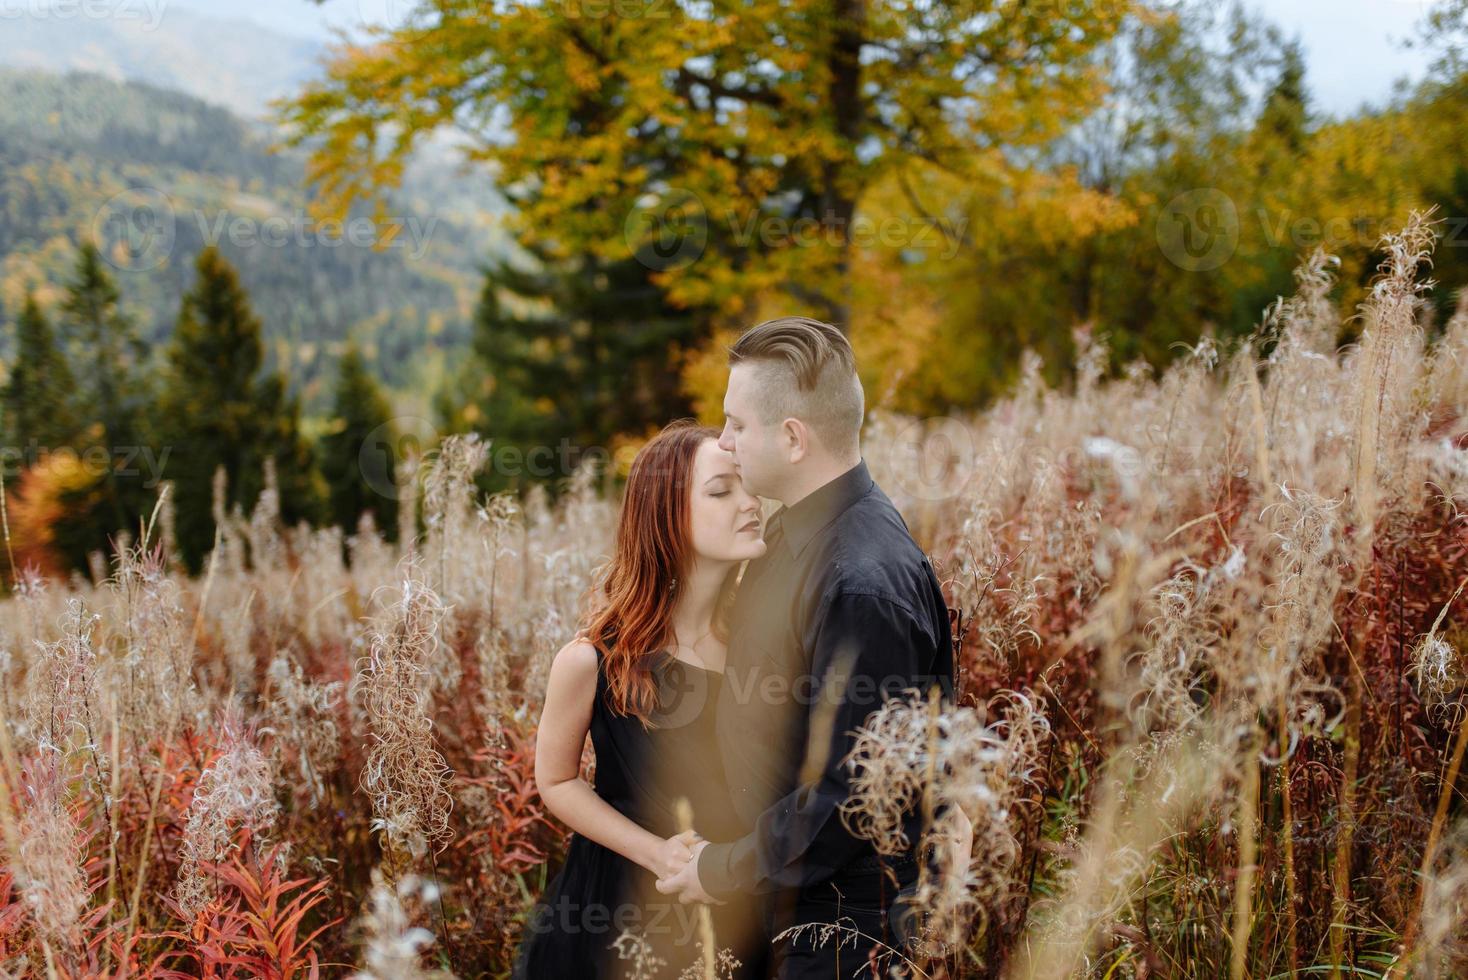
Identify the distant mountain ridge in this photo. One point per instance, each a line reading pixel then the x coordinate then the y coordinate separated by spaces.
pixel 227 61
pixel 82 155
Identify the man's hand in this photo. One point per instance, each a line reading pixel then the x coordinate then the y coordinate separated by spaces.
pixel 684 883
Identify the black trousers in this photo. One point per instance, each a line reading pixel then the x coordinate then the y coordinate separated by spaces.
pixel 834 930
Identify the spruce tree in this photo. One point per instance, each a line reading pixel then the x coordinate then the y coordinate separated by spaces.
pixel 1285 117
pixel 39 414
pixel 115 397
pixel 566 357
pixel 1279 137
pixel 360 476
pixel 1449 262
pixel 220 410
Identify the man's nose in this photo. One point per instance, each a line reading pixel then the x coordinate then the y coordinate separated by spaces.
pixel 726 441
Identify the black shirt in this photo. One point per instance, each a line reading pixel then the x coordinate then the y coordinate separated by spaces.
pixel 841 611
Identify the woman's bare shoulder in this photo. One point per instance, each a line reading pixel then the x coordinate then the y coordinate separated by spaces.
pixel 576 660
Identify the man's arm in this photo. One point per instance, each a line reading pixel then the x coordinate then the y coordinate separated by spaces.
pixel 866 645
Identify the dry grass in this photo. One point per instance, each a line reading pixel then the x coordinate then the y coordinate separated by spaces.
pixel 1211 647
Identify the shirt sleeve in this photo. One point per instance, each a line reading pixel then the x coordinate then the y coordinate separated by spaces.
pixel 865 646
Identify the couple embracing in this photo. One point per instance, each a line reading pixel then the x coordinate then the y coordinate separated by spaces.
pixel 722 670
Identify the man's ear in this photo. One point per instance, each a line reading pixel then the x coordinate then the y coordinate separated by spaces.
pixel 794 439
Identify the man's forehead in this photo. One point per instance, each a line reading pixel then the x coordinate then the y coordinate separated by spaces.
pixel 739 379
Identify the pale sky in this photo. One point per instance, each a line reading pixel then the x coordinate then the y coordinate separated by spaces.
pixel 1350 49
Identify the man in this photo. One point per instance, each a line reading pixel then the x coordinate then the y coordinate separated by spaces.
pixel 842 611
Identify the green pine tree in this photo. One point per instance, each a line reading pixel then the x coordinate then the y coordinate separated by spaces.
pixel 1279 138
pixel 1285 118
pixel 222 412
pixel 358 453
pixel 566 357
pixel 39 414
pixel 115 395
pixel 1449 263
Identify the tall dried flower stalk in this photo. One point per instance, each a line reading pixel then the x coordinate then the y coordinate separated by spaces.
pixel 236 791
pixel 48 864
pixel 404 774
pixel 302 719
pixel 394 946
pixel 1388 361
pixel 914 754
pixel 62 700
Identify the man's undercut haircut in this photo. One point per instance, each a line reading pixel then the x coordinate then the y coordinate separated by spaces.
pixel 805 369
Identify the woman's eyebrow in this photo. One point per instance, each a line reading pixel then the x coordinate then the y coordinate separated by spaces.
pixel 719 476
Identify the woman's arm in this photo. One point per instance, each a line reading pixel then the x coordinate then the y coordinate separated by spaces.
pixel 564 722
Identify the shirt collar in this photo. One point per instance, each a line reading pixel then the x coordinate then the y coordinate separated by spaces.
pixel 801 521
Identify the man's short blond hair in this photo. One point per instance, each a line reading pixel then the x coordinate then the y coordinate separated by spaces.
pixel 806 370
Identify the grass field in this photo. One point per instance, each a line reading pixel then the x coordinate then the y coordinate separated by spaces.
pixel 1211 633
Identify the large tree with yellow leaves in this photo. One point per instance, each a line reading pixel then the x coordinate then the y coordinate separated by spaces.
pixel 726 145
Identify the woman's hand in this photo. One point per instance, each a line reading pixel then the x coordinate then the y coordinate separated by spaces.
pixel 669 856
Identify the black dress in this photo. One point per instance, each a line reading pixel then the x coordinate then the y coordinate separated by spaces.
pixel 602 910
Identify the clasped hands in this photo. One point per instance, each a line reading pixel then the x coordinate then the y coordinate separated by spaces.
pixel 676 865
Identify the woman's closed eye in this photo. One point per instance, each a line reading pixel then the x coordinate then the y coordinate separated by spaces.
pixel 721 493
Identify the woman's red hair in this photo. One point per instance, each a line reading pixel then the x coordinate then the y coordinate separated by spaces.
pixel 631 620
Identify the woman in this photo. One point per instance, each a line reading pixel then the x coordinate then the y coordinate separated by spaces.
pixel 642 677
